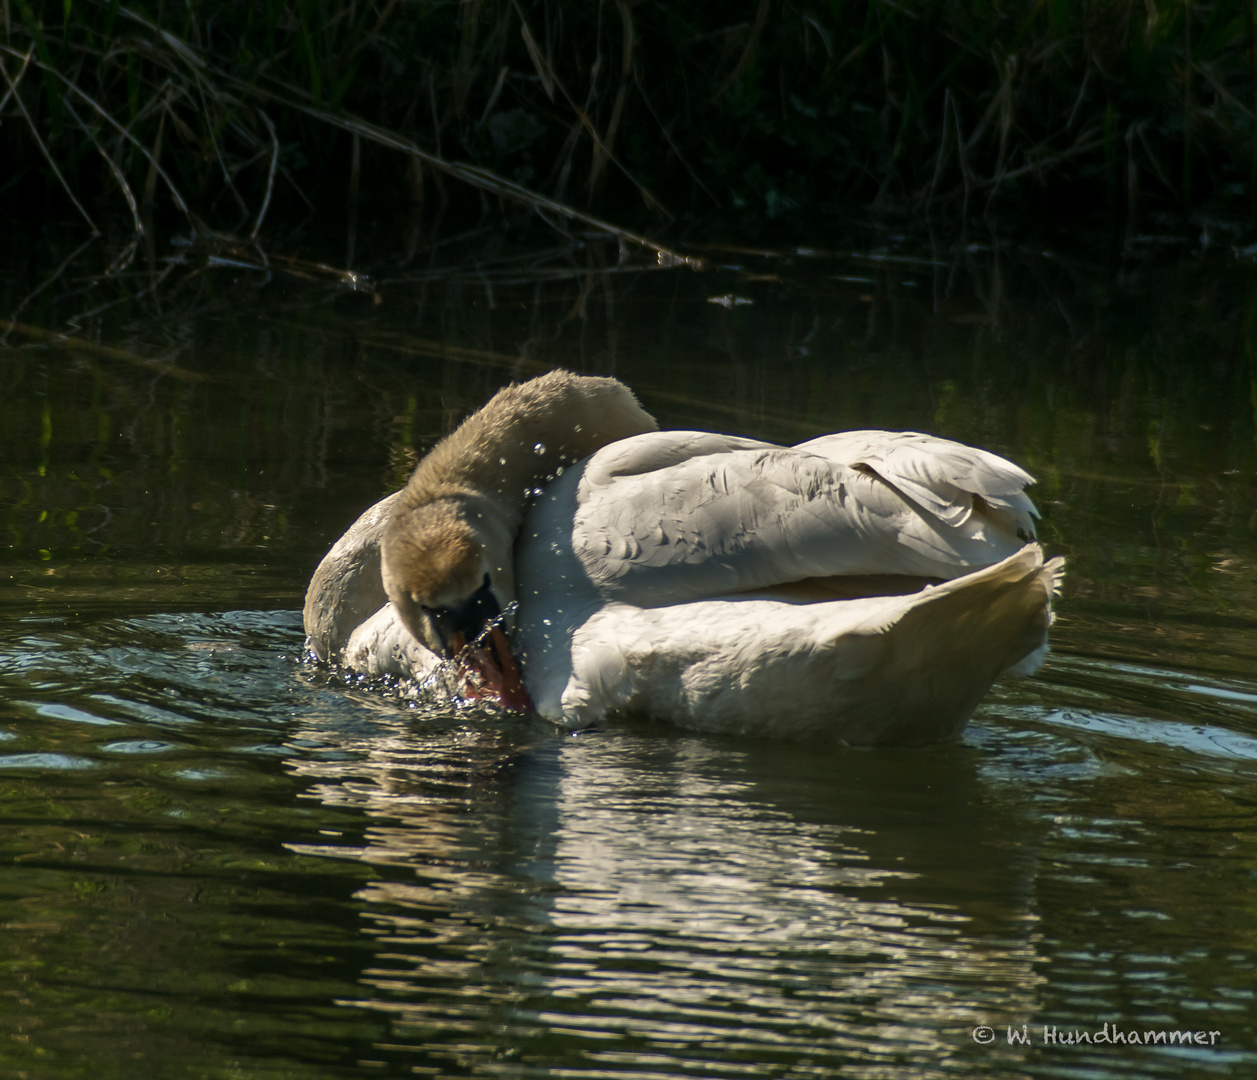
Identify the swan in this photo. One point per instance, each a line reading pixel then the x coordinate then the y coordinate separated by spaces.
pixel 562 555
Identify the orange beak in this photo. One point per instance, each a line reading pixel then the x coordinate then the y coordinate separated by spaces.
pixel 489 671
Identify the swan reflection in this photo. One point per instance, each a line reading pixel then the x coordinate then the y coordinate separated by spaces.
pixel 632 899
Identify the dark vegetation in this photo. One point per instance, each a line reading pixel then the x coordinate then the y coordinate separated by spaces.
pixel 647 114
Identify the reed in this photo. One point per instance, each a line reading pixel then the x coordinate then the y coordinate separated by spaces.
pixel 619 108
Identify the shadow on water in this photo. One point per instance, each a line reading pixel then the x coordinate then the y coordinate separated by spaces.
pixel 223 862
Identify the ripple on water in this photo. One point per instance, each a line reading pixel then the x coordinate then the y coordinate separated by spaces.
pixel 43 760
pixel 139 746
pixel 632 901
pixel 56 711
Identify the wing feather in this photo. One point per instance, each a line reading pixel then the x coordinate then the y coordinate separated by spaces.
pixel 941 476
pixel 673 516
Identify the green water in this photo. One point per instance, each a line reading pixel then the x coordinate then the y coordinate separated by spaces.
pixel 222 862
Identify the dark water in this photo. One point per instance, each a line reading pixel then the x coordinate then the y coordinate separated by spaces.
pixel 219 861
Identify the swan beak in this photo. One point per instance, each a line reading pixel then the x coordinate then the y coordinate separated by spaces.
pixel 490 671
pixel 470 634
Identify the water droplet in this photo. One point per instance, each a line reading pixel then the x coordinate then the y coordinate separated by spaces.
pixel 558 471
pixel 577 428
pixel 539 449
pixel 501 461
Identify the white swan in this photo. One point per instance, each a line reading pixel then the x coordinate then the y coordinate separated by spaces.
pixel 865 587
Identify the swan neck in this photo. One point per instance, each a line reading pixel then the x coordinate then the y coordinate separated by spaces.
pixel 502 455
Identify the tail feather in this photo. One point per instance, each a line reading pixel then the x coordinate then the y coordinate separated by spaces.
pixel 928 664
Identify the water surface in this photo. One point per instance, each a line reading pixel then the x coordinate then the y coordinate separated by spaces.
pixel 221 861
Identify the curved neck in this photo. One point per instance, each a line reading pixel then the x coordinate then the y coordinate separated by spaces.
pixel 521 439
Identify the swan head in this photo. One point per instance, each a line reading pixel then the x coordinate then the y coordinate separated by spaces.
pixel 453 596
pixel 436 575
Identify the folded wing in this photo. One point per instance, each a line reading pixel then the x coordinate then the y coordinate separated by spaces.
pixel 673 516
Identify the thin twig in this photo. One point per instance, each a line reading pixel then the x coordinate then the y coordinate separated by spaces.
pixel 373 34
pixel 35 131
pixel 761 17
pixel 942 149
pixel 1156 164
pixel 121 261
pixel 270 176
pixel 493 97
pixel 544 70
pixel 1207 71
pixel 15 83
pixel 150 181
pixel 113 166
pixel 602 150
pixel 218 154
pixel 960 152
pixel 668 135
pixel 1087 141
pixel 1078 100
